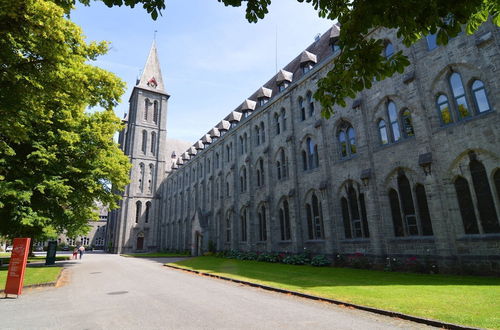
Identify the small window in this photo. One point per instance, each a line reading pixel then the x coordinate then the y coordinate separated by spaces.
pixel 282 86
pixel 310 102
pixel 480 98
pixel 389 50
pixel 307 67
pixel 302 109
pixel 382 129
pixel 431 41
pixel 144 141
pixel 155 112
pixel 336 47
pixel 444 109
pixel 277 123
pixel 146 109
pixel 407 123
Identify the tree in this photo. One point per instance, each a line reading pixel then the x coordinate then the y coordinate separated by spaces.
pixel 361 58
pixel 56 159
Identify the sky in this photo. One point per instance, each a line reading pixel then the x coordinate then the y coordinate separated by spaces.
pixel 211 58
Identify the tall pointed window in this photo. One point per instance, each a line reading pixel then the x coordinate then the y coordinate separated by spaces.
pixel 310 102
pixel 277 124
pixel 243 224
pixel 144 141
pixel 141 177
pixel 480 97
pixel 284 215
pixel 138 211
pixel 444 109
pixel 146 213
pixel 393 119
pixel 243 180
pixel 354 213
pixel 459 95
pixel 484 197
pixel 382 131
pixel 466 206
pixel 155 112
pixel 407 123
pixel 153 143
pixel 262 133
pixel 228 227
pixel 260 172
pixel 262 223
pixel 146 109
pixel 314 218
pixel 283 119
pixel 302 109
pixel 310 156
pixel 347 140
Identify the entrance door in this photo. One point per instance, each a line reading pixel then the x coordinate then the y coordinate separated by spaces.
pixel 140 243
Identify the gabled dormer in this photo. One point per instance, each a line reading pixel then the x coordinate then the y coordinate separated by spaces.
pixel 307 61
pixel 263 95
pixel 283 79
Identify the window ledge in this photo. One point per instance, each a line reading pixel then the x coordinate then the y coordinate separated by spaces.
pixel 285 242
pixel 355 240
pixel 479 237
pixel 315 241
pixel 388 145
pixel 413 239
pixel 466 120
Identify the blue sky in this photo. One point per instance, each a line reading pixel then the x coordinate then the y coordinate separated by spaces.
pixel 211 57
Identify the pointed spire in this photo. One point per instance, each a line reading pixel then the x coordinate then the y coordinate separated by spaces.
pixel 151 77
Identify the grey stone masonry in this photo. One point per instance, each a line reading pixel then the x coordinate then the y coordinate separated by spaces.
pixel 409 168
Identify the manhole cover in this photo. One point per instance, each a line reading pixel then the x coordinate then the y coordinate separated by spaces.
pixel 117 292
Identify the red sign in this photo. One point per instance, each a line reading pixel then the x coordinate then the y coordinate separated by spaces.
pixel 17 266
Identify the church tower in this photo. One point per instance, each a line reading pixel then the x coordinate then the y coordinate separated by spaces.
pixel 143 140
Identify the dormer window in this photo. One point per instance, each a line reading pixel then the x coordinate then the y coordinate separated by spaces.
pixel 335 47
pixel 263 95
pixel 263 100
pixel 306 67
pixel 283 86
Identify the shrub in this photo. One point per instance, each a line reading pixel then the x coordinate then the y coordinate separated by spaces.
pixel 296 259
pixel 358 260
pixel 211 246
pixel 320 261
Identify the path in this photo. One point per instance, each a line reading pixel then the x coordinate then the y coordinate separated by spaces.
pixel 113 292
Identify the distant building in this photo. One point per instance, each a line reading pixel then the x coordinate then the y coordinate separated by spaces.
pixel 410 167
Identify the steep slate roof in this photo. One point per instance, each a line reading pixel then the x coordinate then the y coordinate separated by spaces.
pixel 151 75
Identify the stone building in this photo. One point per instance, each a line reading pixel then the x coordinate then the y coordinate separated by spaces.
pixel 409 167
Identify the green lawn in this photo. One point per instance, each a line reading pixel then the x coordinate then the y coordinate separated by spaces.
pixel 156 255
pixel 33 275
pixel 467 300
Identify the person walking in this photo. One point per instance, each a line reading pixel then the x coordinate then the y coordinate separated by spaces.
pixel 81 249
pixel 75 253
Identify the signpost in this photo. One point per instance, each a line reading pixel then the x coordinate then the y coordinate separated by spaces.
pixel 50 259
pixel 17 266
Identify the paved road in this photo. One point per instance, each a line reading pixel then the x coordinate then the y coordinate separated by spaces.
pixel 112 292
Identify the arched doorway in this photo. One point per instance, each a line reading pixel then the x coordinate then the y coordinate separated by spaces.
pixel 140 241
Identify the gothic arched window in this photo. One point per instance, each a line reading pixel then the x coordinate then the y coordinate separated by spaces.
pixel 314 217
pixel 388 50
pixel 480 97
pixel 262 223
pixel 423 210
pixel 155 112
pixel 243 224
pixel 458 91
pixel 277 123
pixel 396 213
pixel 310 102
pixel 444 109
pixel 144 141
pixel 407 205
pixel 284 215
pixel 346 137
pixel 138 211
pixel 466 206
pixel 484 197
pixel 228 227
pixel 302 109
pixel 393 119
pixel 153 143
pixel 407 123
pixel 146 213
pixel 262 133
pixel 146 109
pixel 382 130
pixel 283 119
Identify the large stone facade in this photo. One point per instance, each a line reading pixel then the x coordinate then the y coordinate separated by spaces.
pixel 409 167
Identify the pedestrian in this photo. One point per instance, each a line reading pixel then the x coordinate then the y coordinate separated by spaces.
pixel 75 253
pixel 80 250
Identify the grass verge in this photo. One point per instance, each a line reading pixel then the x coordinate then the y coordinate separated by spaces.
pixel 33 275
pixel 155 255
pixel 466 300
pixel 37 259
